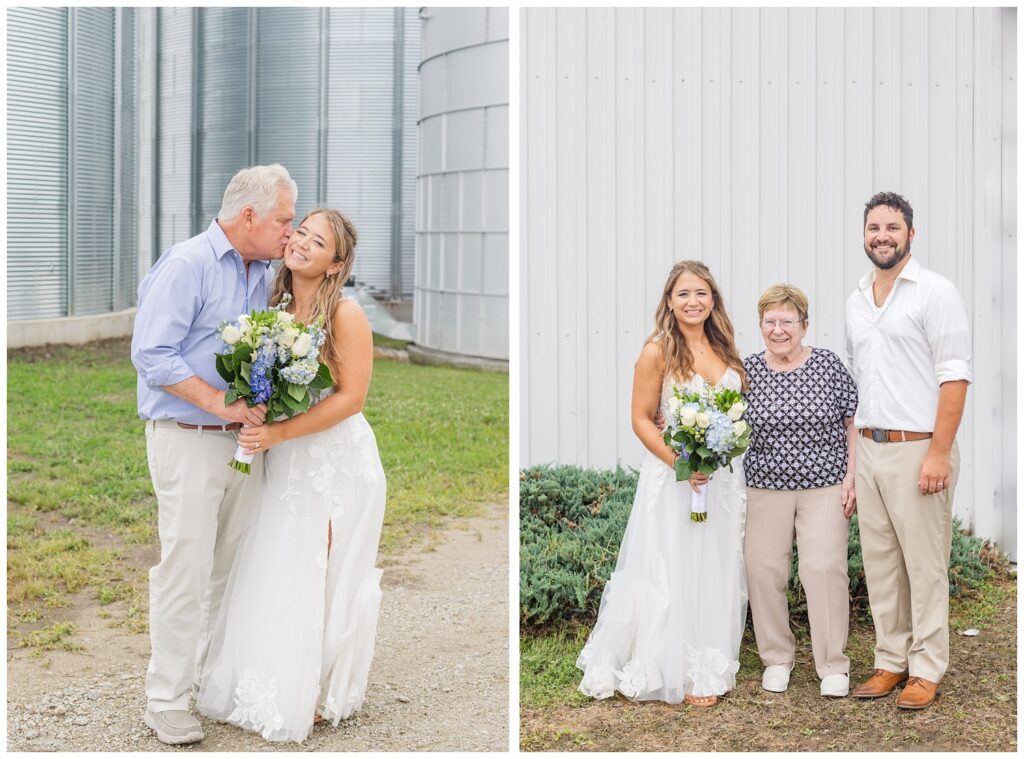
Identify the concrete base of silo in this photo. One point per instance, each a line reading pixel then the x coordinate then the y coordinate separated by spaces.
pixel 431 357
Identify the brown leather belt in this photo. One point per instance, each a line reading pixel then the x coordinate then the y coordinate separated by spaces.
pixel 893 436
pixel 212 427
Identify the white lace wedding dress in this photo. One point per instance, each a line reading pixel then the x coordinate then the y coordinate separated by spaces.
pixel 672 613
pixel 296 628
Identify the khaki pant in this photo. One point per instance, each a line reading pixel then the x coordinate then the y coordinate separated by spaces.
pixel 815 517
pixel 906 537
pixel 202 507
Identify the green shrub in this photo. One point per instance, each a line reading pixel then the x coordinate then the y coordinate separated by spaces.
pixel 571 522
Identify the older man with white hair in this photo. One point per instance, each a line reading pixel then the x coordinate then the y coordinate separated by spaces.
pixel 202 502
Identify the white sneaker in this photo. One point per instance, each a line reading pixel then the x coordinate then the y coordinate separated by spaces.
pixel 835 686
pixel 776 677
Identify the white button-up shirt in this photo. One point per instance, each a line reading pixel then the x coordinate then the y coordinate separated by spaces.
pixel 903 350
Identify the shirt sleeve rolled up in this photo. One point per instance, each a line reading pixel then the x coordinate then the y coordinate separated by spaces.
pixel 948 332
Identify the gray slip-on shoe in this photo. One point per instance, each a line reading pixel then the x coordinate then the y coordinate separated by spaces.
pixel 174 727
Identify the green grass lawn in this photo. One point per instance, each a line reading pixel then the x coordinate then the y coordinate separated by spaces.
pixel 79 494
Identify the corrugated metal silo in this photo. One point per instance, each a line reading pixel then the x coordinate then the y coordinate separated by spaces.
pixel 71 187
pixel 37 166
pixel 462 213
pixel 225 79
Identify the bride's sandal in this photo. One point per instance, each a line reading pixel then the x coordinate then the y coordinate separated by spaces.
pixel 702 701
pixel 318 718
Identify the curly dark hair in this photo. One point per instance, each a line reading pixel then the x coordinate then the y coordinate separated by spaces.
pixel 891 200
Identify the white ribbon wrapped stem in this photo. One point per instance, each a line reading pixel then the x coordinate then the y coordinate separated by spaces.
pixel 699 504
pixel 242 460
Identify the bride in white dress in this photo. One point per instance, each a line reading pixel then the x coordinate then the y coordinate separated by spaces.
pixel 294 637
pixel 673 612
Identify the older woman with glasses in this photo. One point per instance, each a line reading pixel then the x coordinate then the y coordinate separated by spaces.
pixel 800 481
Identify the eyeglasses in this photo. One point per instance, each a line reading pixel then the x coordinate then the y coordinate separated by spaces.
pixel 785 324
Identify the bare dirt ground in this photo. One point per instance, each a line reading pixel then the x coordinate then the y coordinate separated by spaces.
pixel 439 680
pixel 976 711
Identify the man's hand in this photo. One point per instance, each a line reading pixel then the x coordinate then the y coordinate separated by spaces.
pixel 849 496
pixel 934 473
pixel 239 411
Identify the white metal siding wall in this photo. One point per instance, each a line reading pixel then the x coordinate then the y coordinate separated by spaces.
pixel 36 163
pixel 750 138
pixel 462 213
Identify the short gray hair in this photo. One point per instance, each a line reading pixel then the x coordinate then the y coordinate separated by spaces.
pixel 257 186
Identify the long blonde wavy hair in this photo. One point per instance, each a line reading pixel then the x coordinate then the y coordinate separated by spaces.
pixel 329 292
pixel 718 327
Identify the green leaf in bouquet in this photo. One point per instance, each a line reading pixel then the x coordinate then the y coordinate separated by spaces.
pixel 245 369
pixel 230 396
pixel 291 403
pixel 323 379
pixel 242 353
pixel 703 452
pixel 725 399
pixel 242 385
pixel 690 446
pixel 706 467
pixel 683 471
pixel 298 392
pixel 679 437
pixel 224 369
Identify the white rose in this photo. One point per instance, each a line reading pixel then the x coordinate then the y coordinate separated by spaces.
pixel 283 317
pixel 230 335
pixel 301 345
pixel 288 337
pixel 740 427
pixel 736 410
pixel 703 420
pixel 688 417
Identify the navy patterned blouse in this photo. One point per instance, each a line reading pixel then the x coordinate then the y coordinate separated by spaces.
pixel 798 439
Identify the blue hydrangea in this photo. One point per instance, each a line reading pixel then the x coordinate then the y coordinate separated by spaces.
pixel 259 380
pixel 300 372
pixel 719 437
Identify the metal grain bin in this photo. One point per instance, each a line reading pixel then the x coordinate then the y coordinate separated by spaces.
pixel 462 214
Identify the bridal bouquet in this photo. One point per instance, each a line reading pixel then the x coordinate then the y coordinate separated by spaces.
pixel 271 359
pixel 708 431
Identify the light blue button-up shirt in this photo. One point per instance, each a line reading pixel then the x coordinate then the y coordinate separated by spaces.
pixel 193 287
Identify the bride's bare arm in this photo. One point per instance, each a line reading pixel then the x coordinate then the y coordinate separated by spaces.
pixel 354 338
pixel 647 379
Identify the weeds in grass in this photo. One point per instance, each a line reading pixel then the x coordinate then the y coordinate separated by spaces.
pixel 78 478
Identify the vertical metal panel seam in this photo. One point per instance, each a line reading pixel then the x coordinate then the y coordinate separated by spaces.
pixel 115 288
pixel 321 169
pixel 194 141
pixel 251 85
pixel 397 95
pixel 72 51
pixel 154 180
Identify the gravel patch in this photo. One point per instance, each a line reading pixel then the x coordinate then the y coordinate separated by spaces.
pixel 439 680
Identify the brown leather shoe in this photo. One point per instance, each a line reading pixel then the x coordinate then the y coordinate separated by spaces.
pixel 918 694
pixel 881 683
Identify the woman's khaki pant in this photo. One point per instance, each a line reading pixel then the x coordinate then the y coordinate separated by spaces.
pixel 815 518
